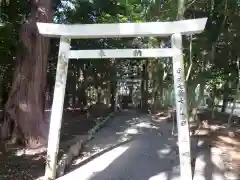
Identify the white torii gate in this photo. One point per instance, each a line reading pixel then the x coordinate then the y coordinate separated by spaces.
pixel 174 29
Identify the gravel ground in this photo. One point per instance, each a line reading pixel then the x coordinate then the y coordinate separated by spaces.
pixel 152 153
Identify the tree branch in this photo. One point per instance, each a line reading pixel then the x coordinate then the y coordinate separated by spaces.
pixel 190 4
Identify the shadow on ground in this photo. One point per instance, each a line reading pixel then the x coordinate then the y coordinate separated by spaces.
pixel 23 167
pixel 221 146
pixel 151 154
pixel 16 165
pixel 208 165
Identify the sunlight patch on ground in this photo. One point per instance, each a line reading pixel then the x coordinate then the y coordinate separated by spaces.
pixel 30 152
pixel 209 167
pixel 200 143
pixel 232 141
pixel 98 149
pixel 132 131
pixel 98 164
pixel 146 125
pixel 201 163
pixel 164 152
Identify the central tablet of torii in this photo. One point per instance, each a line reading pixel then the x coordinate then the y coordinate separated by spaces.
pixel 174 29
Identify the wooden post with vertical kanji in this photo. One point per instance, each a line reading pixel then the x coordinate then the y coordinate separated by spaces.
pixel 181 109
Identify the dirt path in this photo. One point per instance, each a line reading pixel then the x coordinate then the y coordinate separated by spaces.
pixel 151 154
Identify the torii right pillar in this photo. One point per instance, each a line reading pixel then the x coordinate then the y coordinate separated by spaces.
pixel 181 109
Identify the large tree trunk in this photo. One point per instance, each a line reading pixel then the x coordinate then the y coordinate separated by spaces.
pixel 144 86
pixel 82 96
pixel 73 83
pixel 225 96
pixel 236 94
pixel 113 83
pixel 25 105
pixel 113 89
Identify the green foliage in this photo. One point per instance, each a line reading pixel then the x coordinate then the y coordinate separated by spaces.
pixel 214 52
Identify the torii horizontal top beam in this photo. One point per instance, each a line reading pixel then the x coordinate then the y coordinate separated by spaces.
pixel 146 29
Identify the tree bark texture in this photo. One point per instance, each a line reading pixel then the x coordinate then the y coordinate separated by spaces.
pixel 26 100
pixel 144 86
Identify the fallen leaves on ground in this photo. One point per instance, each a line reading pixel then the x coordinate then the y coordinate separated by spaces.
pixel 227 139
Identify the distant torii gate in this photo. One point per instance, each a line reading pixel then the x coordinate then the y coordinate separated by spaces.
pixel 119 84
pixel 174 29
